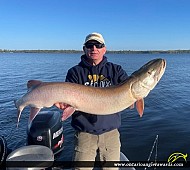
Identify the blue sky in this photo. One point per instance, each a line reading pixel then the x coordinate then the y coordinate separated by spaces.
pixel 125 24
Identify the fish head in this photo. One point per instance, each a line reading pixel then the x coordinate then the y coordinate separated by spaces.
pixel 146 78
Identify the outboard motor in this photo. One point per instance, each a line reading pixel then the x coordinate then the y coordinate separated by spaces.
pixel 46 129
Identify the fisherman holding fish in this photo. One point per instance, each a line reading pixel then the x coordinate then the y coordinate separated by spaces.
pixel 95 133
pixel 94 109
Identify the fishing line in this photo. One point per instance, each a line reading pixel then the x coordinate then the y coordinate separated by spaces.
pixel 155 144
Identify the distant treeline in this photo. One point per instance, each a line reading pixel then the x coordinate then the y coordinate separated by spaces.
pixel 109 51
pixel 40 51
pixel 150 52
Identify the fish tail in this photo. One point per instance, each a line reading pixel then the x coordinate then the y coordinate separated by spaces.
pixel 33 112
pixel 18 117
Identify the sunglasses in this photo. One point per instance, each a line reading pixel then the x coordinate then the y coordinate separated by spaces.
pixel 97 45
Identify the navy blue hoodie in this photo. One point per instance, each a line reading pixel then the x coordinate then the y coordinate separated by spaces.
pixel 104 74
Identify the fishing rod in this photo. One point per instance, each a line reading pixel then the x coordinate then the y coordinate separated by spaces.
pixel 155 145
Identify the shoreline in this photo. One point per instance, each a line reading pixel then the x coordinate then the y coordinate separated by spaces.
pixel 108 51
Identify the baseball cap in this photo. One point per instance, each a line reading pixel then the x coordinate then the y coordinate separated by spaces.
pixel 95 36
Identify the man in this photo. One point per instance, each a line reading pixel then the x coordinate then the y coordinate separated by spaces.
pixel 95 133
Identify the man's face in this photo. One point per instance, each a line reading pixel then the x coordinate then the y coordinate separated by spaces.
pixel 94 50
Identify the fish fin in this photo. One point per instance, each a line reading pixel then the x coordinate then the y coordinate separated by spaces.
pixel 33 83
pixel 132 106
pixel 67 112
pixel 140 106
pixel 18 116
pixel 33 112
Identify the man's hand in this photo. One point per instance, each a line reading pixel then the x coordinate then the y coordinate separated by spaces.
pixel 61 106
pixel 68 110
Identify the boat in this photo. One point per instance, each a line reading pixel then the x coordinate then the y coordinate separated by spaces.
pixel 44 144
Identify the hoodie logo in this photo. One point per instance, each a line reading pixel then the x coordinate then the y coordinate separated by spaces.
pixel 98 81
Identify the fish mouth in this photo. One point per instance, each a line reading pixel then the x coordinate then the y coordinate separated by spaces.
pixel 161 70
pixel 157 74
pixel 164 63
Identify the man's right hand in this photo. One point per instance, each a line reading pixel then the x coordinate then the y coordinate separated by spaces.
pixel 68 110
pixel 61 106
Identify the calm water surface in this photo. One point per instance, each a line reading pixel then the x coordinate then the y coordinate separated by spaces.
pixel 166 114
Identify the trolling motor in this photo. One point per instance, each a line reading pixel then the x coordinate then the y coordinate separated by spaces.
pixel 46 129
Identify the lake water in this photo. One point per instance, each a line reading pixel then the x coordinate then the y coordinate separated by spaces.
pixel 166 114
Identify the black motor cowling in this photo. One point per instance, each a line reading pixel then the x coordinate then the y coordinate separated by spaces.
pixel 46 129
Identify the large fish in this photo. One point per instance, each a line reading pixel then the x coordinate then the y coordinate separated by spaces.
pixel 93 100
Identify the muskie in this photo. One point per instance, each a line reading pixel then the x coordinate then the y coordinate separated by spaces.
pixel 93 100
